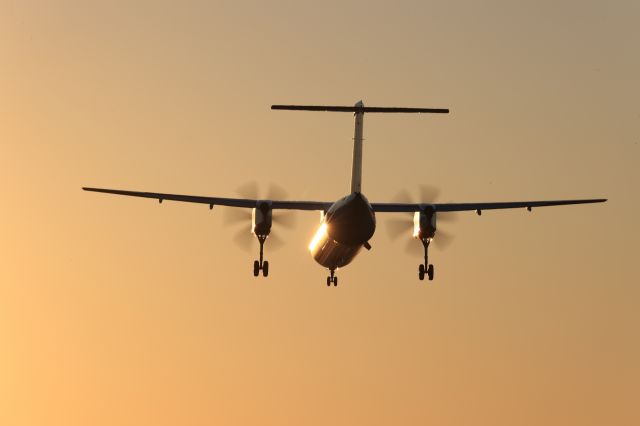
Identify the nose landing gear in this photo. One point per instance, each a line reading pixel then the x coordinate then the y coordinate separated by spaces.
pixel 260 265
pixel 332 279
pixel 425 268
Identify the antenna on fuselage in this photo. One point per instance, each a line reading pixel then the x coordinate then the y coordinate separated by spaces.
pixel 359 109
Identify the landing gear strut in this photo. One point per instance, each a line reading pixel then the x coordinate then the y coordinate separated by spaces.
pixel 425 268
pixel 332 279
pixel 260 265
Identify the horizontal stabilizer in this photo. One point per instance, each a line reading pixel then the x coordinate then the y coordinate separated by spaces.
pixel 360 109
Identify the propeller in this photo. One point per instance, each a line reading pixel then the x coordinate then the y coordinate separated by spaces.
pixel 404 225
pixel 250 190
pixel 242 216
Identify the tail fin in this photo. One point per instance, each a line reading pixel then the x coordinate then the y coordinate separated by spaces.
pixel 356 168
pixel 358 109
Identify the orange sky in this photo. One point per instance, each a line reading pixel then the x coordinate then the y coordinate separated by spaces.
pixel 121 311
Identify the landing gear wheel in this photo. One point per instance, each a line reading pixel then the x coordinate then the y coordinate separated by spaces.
pixel 421 272
pixel 430 272
pixel 256 268
pixel 265 268
pixel 332 278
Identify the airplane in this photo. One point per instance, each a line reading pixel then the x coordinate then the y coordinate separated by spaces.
pixel 346 225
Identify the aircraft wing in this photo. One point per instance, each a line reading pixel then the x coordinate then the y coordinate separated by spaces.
pixel 459 207
pixel 217 201
pixel 324 205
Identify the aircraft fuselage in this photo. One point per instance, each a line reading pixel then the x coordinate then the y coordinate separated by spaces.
pixel 346 227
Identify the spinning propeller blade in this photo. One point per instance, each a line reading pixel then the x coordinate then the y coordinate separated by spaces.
pixel 274 242
pixel 399 226
pixel 244 238
pixel 428 194
pixel 249 190
pixel 285 218
pixel 403 196
pixel 276 192
pixel 414 248
pixel 442 239
pixel 448 217
pixel 234 216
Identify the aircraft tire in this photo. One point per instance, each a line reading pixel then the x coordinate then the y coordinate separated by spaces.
pixel 256 268
pixel 265 268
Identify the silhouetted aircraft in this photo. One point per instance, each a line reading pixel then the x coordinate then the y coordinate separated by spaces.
pixel 347 225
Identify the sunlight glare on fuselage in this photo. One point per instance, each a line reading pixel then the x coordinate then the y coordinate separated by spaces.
pixel 253 221
pixel 416 224
pixel 320 234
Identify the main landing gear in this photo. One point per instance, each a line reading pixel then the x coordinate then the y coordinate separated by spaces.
pixel 260 265
pixel 332 279
pixel 425 268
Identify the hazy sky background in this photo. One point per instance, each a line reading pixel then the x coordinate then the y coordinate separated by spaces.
pixel 120 311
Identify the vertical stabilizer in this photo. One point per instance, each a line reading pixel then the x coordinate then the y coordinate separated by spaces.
pixel 356 168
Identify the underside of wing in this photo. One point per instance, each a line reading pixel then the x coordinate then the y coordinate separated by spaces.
pixel 214 201
pixel 459 207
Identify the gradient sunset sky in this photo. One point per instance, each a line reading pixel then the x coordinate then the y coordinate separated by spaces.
pixel 120 311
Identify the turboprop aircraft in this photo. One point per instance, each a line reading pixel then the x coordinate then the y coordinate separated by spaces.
pixel 347 224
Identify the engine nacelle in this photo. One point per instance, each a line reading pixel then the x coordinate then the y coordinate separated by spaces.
pixel 262 218
pixel 424 223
